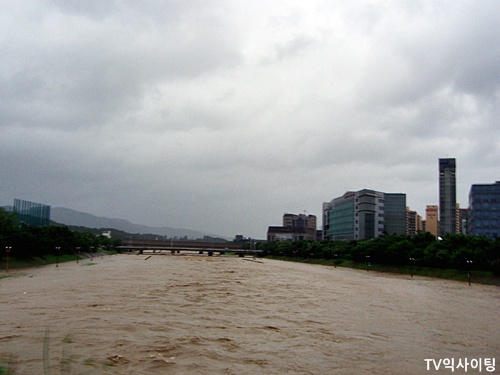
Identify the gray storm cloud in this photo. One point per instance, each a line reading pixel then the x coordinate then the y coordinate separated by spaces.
pixel 220 116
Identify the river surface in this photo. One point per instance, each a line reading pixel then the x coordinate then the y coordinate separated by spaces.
pixel 194 314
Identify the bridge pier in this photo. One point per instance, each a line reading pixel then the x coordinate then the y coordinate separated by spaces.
pixel 173 250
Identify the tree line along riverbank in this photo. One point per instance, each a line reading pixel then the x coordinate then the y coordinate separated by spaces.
pixel 423 250
pixel 451 257
pixel 423 254
pixel 20 242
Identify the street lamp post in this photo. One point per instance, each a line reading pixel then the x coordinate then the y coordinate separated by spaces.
pixel 58 248
pixel 469 266
pixel 412 262
pixel 7 251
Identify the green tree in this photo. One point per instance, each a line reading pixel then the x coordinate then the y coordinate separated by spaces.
pixel 9 228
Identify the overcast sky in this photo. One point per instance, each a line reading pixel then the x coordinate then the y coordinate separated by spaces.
pixel 220 116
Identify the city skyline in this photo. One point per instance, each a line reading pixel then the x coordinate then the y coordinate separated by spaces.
pixel 221 116
pixel 447 186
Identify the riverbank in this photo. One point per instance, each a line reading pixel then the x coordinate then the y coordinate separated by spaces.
pixel 480 277
pixel 18 263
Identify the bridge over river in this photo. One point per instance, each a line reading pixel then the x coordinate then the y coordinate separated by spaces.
pixel 175 247
pixel 210 251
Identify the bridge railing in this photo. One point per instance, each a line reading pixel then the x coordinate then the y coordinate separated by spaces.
pixel 180 244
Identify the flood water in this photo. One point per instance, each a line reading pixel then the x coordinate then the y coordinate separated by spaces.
pixel 194 314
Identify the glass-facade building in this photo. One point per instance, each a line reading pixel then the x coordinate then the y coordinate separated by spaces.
pixel 32 214
pixel 395 213
pixel 484 210
pixel 364 214
pixel 340 216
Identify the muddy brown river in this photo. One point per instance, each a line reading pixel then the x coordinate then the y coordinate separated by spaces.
pixel 194 314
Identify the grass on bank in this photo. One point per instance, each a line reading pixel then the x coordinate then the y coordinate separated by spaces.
pixel 480 277
pixel 18 263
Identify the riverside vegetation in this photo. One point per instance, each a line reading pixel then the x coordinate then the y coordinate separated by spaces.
pixel 450 257
pixel 44 245
pixel 421 254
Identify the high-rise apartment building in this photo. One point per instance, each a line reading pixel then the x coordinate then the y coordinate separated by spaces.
pixel 431 219
pixel 300 220
pixel 447 196
pixel 364 214
pixel 484 210
pixel 413 222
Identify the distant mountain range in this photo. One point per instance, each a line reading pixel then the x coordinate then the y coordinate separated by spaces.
pixel 70 217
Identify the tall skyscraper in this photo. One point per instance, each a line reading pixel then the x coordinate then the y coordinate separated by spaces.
pixel 447 196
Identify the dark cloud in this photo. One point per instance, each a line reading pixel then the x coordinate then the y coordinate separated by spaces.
pixel 220 116
pixel 73 71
